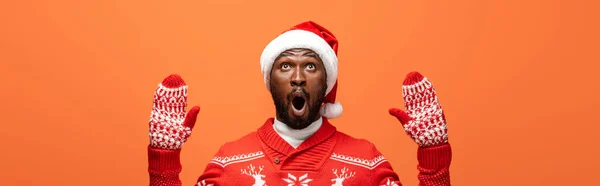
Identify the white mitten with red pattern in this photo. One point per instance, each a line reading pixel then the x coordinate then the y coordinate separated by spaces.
pixel 169 127
pixel 424 120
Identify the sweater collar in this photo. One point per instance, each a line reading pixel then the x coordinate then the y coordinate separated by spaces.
pixel 271 138
pixel 295 137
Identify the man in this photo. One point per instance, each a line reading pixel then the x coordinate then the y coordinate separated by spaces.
pixel 300 146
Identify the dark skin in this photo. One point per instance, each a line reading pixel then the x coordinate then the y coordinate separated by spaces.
pixel 298 74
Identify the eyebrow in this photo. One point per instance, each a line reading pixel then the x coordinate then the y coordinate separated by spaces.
pixel 310 54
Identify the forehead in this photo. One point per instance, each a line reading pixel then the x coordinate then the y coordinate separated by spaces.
pixel 299 52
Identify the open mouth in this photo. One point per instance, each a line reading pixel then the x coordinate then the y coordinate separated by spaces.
pixel 299 105
pixel 298 102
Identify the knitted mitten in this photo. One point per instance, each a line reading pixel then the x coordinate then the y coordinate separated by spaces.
pixel 169 125
pixel 424 120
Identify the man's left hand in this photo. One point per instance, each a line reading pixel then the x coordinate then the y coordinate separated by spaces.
pixel 424 120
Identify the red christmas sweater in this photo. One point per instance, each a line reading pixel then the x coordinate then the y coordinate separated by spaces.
pixel 328 157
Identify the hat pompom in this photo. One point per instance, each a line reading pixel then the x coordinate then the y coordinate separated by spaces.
pixel 332 110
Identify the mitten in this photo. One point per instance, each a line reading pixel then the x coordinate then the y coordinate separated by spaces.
pixel 169 126
pixel 424 120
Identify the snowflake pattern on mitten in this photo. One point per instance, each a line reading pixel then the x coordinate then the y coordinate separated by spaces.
pixel 169 127
pixel 424 119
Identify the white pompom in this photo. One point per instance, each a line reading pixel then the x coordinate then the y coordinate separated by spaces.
pixel 331 111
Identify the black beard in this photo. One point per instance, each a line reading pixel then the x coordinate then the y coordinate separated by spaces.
pixel 282 108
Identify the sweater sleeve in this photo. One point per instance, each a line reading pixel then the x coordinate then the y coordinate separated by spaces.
pixel 212 176
pixel 165 166
pixel 434 163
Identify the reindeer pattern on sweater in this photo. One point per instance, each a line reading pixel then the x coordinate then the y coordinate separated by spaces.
pixel 329 157
pixel 252 171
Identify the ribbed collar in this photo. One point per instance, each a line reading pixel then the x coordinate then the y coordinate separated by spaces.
pixel 295 137
pixel 270 137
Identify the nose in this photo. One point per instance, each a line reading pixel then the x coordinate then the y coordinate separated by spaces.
pixel 298 79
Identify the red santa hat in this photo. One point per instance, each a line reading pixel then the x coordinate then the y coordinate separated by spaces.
pixel 315 37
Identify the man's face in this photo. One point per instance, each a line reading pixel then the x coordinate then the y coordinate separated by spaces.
pixel 298 84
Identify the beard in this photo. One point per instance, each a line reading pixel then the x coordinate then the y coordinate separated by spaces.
pixel 282 106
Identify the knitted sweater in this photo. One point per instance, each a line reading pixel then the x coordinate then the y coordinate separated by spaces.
pixel 328 157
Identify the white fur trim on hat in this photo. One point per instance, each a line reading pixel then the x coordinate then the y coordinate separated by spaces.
pixel 332 110
pixel 300 39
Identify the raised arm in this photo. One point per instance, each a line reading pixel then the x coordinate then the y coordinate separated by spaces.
pixel 434 163
pixel 169 129
pixel 424 121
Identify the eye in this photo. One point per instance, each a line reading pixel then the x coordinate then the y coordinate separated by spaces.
pixel 311 66
pixel 285 66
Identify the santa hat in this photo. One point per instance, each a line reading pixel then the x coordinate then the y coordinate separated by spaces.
pixel 315 37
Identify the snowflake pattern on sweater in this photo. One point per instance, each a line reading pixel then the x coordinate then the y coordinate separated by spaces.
pixel 329 157
pixel 292 180
pixel 338 177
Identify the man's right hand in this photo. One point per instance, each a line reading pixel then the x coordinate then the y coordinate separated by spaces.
pixel 169 126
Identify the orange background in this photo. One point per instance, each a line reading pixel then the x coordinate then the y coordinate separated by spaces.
pixel 517 79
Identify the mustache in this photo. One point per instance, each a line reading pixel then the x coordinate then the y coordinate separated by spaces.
pixel 297 90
